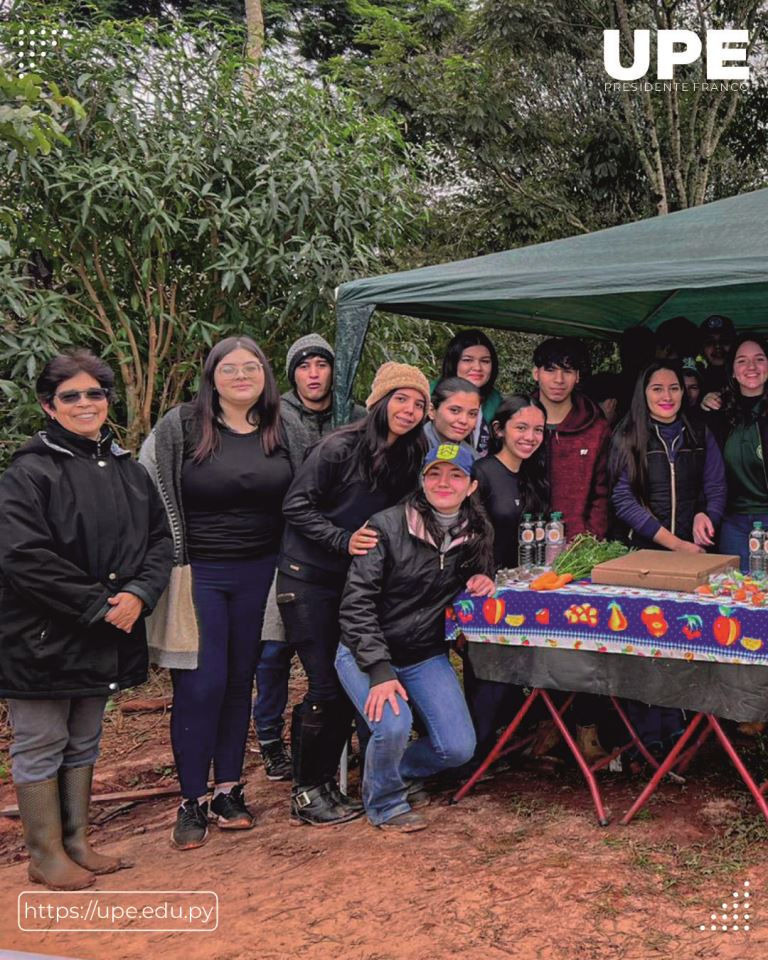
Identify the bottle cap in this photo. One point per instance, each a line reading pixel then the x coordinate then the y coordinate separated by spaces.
pixel 527 516
pixel 557 515
pixel 758 524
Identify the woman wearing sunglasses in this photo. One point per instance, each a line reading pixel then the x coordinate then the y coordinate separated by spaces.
pixel 85 554
pixel 222 469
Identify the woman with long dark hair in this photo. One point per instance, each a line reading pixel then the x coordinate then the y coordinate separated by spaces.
pixel 513 481
pixel 85 554
pixel 393 660
pixel 669 492
pixel 667 471
pixel 471 356
pixel 222 469
pixel 355 472
pixel 741 427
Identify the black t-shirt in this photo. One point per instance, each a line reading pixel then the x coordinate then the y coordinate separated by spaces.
pixel 500 493
pixel 233 501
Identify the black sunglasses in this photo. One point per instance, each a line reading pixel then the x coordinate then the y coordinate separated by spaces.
pixel 94 394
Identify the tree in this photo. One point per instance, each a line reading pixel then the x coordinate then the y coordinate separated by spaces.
pixel 528 145
pixel 254 25
pixel 186 209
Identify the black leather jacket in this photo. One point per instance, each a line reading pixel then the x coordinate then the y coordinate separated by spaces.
pixel 393 606
pixel 79 522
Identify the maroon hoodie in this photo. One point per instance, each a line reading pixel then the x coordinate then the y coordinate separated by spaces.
pixel 577 457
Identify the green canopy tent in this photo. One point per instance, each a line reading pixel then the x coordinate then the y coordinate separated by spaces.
pixel 709 259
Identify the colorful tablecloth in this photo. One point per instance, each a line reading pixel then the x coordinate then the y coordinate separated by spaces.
pixel 603 619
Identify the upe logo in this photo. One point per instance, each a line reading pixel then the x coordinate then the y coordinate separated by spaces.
pixel 689 47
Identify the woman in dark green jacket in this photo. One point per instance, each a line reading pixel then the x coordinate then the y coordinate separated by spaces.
pixel 741 427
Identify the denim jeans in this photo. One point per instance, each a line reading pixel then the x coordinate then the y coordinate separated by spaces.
pixel 734 535
pixel 391 761
pixel 212 704
pixel 272 674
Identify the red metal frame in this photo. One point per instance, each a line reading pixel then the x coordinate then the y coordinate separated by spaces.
pixel 672 760
pixel 503 746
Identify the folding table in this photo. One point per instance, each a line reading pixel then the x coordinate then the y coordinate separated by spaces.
pixel 661 647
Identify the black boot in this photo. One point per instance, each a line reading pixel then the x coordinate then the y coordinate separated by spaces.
pixel 313 741
pixel 342 798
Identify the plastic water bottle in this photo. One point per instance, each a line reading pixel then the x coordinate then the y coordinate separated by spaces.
pixel 555 533
pixel 526 543
pixel 757 548
pixel 540 537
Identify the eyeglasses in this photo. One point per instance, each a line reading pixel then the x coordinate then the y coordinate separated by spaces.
pixel 249 370
pixel 94 394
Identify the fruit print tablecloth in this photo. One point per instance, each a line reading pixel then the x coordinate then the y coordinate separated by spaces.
pixel 603 619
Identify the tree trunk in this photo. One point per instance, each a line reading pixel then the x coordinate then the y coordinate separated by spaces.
pixel 254 47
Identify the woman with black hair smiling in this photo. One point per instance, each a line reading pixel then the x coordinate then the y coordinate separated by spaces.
pixel 667 472
pixel 453 413
pixel 222 469
pixel 471 356
pixel 85 553
pixel 512 481
pixel 741 427
pixel 353 473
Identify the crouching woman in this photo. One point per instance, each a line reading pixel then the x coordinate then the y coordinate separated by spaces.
pixel 393 658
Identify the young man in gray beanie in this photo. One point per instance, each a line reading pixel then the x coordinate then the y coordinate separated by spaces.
pixel 306 411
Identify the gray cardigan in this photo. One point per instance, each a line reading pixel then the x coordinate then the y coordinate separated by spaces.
pixel 172 633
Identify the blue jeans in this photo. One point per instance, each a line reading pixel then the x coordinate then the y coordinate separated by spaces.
pixel 734 535
pixel 272 674
pixel 212 704
pixel 391 761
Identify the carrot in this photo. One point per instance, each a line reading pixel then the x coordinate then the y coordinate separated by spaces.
pixel 740 595
pixel 705 589
pixel 758 599
pixel 545 581
pixel 551 581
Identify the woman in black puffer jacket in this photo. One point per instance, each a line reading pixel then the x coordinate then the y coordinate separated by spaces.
pixel 393 657
pixel 85 553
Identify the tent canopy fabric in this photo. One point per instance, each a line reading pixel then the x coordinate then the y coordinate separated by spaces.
pixel 708 259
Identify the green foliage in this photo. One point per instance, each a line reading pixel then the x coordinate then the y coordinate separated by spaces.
pixel 186 209
pixel 527 144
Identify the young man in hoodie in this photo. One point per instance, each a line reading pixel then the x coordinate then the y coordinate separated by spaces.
pixel 306 410
pixel 577 438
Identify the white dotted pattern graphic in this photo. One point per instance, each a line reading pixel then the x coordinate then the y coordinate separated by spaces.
pixel 739 899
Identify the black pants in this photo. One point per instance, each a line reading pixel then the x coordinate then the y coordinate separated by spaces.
pixel 321 724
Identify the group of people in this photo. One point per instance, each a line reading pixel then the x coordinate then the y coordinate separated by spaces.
pixel 245 504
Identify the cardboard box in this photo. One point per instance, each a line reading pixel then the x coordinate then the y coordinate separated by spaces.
pixel 663 569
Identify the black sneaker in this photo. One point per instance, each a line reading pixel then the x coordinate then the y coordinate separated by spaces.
pixel 191 828
pixel 276 760
pixel 230 812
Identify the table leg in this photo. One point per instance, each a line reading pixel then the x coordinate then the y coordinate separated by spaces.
pixel 500 744
pixel 577 755
pixel 737 762
pixel 648 756
pixel 686 757
pixel 665 767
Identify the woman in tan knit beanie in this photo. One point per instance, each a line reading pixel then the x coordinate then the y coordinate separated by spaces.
pixel 351 474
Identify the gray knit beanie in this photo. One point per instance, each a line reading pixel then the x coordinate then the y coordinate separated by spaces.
pixel 313 345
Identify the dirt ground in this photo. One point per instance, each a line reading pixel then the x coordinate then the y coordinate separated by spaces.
pixel 518 869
